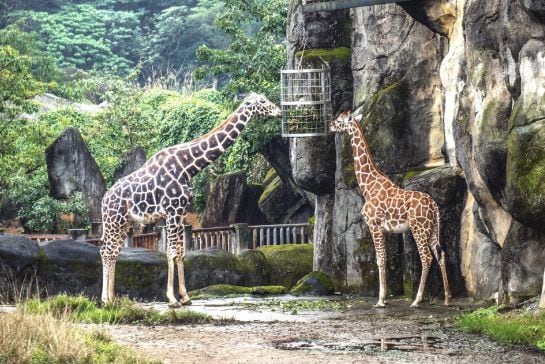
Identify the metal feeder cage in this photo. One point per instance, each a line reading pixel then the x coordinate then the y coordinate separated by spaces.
pixel 305 101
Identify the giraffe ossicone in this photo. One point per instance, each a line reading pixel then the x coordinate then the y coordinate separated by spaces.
pixel 161 189
pixel 390 209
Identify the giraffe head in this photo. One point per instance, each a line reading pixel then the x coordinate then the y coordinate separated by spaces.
pixel 259 105
pixel 344 121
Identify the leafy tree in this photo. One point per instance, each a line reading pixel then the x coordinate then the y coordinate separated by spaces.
pixel 82 36
pixel 256 53
pixel 177 33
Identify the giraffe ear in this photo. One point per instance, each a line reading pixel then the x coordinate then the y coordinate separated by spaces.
pixel 358 117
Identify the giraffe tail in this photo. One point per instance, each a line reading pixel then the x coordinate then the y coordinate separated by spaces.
pixel 434 242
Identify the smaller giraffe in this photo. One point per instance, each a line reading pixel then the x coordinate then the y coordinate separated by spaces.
pixel 391 209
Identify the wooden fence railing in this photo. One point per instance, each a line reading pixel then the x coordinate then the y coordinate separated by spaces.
pixel 216 237
pixel 278 234
pixel 233 238
pixel 46 237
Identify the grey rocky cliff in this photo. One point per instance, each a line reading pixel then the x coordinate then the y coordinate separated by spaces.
pixel 457 85
pixel 313 159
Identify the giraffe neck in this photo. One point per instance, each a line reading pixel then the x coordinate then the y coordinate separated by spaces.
pixel 364 165
pixel 207 148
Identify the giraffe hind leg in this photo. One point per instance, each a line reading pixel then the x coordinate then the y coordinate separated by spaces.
pixel 439 254
pixel 426 259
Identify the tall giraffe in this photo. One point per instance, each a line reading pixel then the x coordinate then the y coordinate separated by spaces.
pixel 161 189
pixel 391 209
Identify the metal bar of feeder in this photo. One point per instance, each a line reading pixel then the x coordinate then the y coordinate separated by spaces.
pixel 305 70
pixel 345 4
pixel 297 103
pixel 290 135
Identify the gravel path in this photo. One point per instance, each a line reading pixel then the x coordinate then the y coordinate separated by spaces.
pixel 261 333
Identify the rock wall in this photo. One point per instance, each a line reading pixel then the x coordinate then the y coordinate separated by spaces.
pixel 232 200
pixel 453 101
pixel 73 267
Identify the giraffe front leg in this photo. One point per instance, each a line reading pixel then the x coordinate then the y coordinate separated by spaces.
pixel 184 298
pixel 108 274
pixel 175 254
pixel 172 301
pixel 380 249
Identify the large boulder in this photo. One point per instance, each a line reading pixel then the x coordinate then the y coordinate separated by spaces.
pixel 130 161
pixel 70 267
pixel 18 259
pixel 448 189
pixel 526 152
pixel 480 255
pixel 18 252
pixel 213 266
pixel 281 203
pixel 71 168
pixel 288 263
pixel 314 284
pixel 523 262
pixel 232 200
pixel 141 274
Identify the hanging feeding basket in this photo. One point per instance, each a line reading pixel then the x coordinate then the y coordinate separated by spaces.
pixel 305 101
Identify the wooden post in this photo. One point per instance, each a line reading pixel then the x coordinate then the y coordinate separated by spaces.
pixel 242 238
pixel 78 234
pixel 188 238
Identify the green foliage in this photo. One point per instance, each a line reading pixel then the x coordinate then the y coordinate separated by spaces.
pixel 39 211
pixel 25 175
pixel 186 118
pixel 255 54
pixel 82 36
pixel 517 327
pixel 179 30
pixel 121 311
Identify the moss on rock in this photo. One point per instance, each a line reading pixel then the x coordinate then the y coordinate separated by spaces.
pixel 213 266
pixel 526 168
pixel 288 263
pixel 274 184
pixel 328 55
pixel 315 283
pixel 223 290
pixel 256 266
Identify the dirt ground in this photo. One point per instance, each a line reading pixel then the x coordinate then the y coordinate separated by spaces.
pixel 259 332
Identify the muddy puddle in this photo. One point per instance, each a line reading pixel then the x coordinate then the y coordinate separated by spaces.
pixel 299 330
pixel 406 343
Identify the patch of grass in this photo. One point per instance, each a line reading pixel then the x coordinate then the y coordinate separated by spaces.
pixel 121 311
pixel 227 290
pixel 43 338
pixel 515 327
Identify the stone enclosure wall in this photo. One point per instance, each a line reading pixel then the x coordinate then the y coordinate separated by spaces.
pixel 453 99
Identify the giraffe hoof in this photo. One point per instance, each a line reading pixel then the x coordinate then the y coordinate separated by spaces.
pixel 415 305
pixel 379 305
pixel 186 302
pixel 175 304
